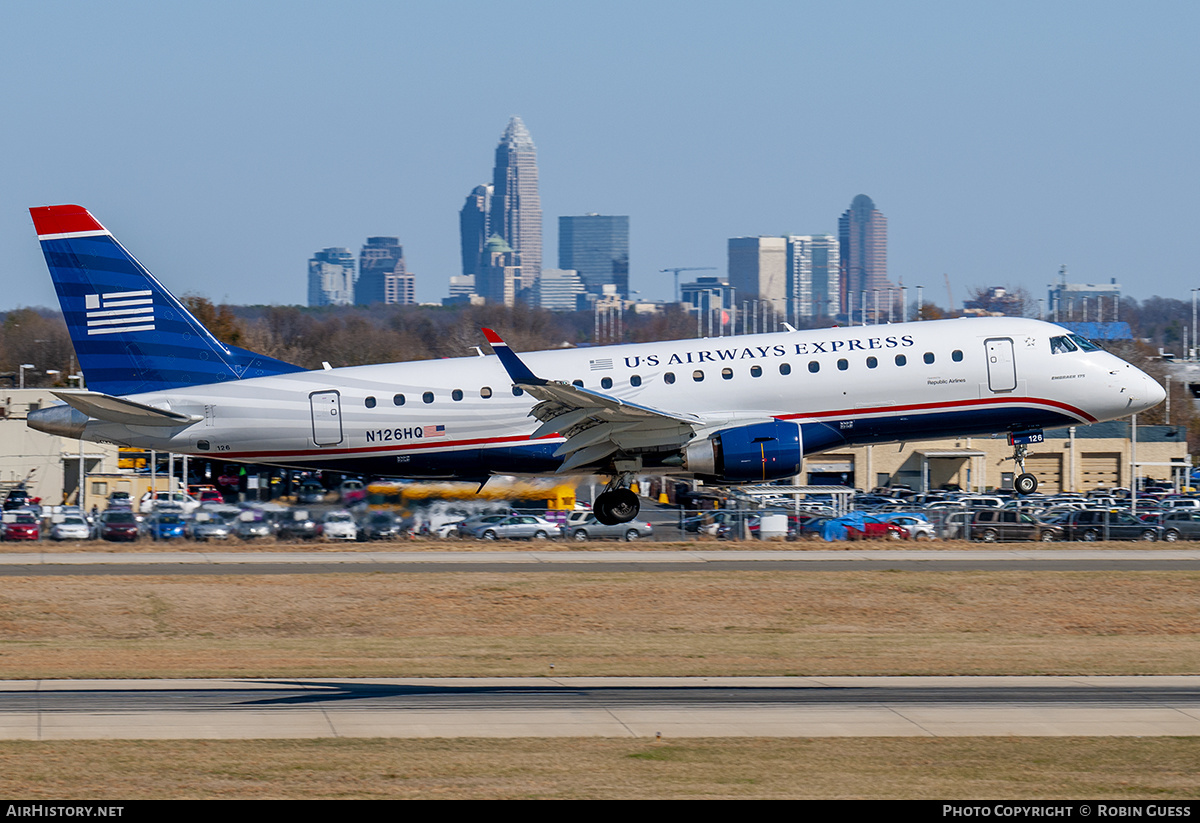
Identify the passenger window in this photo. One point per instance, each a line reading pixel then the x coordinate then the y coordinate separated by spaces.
pixel 606 383
pixel 578 383
pixel 726 374
pixel 698 376
pixel 872 362
pixel 518 391
pixel 486 391
pixel 756 371
pixel 901 360
pixel 370 402
pixel 635 380
pixel 785 368
pixel 398 399
pixel 427 397
pixel 956 356
pixel 843 365
pixel 814 366
pixel 456 394
pixel 669 378
pixel 929 358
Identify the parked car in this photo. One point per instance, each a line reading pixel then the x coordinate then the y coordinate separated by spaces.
pixel 1101 524
pixel 151 500
pixel 381 526
pixel 213 525
pixel 16 499
pixel 70 527
pixel 352 492
pixel 1181 524
pixel 915 527
pixel 165 525
pixel 299 526
pixel 21 525
pixel 515 527
pixel 118 525
pixel 339 525
pixel 1003 525
pixel 310 493
pixel 589 528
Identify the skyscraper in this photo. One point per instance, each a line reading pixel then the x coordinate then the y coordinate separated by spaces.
pixel 382 277
pixel 515 213
pixel 758 269
pixel 862 236
pixel 473 228
pixel 596 246
pixel 331 276
pixel 813 276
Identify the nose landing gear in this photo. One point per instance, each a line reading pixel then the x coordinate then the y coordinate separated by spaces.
pixel 1023 483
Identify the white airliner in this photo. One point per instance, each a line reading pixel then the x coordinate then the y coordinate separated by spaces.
pixel 730 410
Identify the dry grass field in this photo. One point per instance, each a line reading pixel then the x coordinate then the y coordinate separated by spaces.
pixel 521 623
pixel 1162 769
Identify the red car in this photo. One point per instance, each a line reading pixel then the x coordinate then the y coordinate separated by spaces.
pixel 21 526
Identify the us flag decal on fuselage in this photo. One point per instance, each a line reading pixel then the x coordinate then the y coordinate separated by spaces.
pixel 119 311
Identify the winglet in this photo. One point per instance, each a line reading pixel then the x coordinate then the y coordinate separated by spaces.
pixel 517 370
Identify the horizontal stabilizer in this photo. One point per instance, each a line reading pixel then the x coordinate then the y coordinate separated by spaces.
pixel 119 410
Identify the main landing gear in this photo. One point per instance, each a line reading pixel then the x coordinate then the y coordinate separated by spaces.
pixel 617 503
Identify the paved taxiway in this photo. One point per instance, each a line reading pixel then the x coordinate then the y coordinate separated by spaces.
pixel 332 561
pixel 601 707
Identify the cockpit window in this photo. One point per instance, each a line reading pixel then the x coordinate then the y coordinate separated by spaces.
pixel 1083 343
pixel 1061 344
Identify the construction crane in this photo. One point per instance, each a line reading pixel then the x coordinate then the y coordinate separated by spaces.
pixel 686 268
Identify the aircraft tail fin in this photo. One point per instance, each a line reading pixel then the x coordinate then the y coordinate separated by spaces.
pixel 131 335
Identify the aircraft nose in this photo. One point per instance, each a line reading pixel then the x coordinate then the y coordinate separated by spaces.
pixel 1152 392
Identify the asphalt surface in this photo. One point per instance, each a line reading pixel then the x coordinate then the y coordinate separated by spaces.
pixel 601 707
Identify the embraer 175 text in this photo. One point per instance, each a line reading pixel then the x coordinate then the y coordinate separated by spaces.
pixel 728 410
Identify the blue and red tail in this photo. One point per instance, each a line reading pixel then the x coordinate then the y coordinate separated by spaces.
pixel 131 335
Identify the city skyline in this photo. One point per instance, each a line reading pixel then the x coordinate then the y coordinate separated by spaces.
pixel 991 145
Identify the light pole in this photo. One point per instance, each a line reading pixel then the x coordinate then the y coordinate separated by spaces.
pixel 23 367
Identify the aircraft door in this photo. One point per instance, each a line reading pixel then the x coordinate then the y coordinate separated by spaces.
pixel 1002 366
pixel 326 417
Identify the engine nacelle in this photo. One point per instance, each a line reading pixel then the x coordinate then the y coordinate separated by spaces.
pixel 747 454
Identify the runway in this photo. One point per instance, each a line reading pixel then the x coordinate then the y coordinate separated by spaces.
pixel 601 707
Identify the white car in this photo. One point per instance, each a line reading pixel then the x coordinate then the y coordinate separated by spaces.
pixel 70 527
pixel 339 525
pixel 186 502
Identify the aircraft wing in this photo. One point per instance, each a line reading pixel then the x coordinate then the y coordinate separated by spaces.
pixel 595 425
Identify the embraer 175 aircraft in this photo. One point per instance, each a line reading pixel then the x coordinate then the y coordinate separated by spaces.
pixel 728 410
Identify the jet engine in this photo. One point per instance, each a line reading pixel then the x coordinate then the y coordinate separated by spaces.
pixel 756 453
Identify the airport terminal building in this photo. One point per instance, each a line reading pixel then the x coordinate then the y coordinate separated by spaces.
pixel 1075 459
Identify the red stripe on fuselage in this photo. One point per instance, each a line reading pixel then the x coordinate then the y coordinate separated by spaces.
pixel 951 405
pixel 446 445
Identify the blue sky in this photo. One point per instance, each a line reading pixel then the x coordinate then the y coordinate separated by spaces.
pixel 224 143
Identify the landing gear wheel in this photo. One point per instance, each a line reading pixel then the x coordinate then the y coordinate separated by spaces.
pixel 616 506
pixel 1025 484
